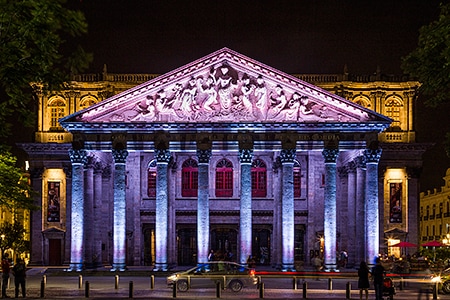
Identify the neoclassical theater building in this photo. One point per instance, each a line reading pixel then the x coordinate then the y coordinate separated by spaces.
pixel 224 154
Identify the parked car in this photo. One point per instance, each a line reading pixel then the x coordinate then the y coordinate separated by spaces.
pixel 206 275
pixel 444 280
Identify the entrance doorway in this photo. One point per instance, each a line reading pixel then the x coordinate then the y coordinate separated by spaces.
pixel 187 246
pixel 224 242
pixel 149 244
pixel 54 252
pixel 261 245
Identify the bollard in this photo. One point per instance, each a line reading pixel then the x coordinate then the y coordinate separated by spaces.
pixel 152 282
pixel 401 284
pixel 130 290
pixel 80 281
pixel 348 291
pixel 86 290
pixel 174 289
pixel 435 291
pixel 42 288
pixel 116 282
pixel 261 290
pixel 218 289
pixel 305 287
pixel 330 284
pixel 294 283
pixel 44 277
pixel 189 282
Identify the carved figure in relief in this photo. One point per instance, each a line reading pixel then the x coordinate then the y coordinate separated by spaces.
pixel 162 103
pixel 290 112
pixel 226 79
pixel 278 102
pixel 261 97
pixel 306 106
pixel 210 91
pixel 188 102
pixel 145 109
pixel 246 89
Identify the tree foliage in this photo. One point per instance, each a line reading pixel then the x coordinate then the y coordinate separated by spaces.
pixel 430 61
pixel 15 190
pixel 34 47
pixel 12 236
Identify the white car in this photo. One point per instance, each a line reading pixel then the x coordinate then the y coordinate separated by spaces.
pixel 206 275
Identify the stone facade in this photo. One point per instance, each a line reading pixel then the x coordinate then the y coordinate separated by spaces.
pixel 337 195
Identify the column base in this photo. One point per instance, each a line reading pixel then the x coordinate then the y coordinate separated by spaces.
pixel 331 268
pixel 288 268
pixel 161 267
pixel 118 267
pixel 75 267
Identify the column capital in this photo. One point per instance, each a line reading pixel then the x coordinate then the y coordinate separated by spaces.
pixel 330 155
pixel 119 155
pixel 78 156
pixel 360 162
pixel 372 155
pixel 246 155
pixel 162 155
pixel 351 167
pixel 203 155
pixel 287 155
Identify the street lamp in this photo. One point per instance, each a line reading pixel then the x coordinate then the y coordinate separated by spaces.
pixel 446 240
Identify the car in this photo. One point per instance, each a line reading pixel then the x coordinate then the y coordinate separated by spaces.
pixel 444 280
pixel 206 275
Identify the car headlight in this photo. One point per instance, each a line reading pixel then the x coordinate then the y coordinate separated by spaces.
pixel 436 279
pixel 172 278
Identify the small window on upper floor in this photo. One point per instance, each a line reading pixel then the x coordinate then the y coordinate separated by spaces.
pixel 259 179
pixel 151 180
pixel 57 108
pixel 189 178
pixel 87 101
pixel 393 110
pixel 224 178
pixel 362 100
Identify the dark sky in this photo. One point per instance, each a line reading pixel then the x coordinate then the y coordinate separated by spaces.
pixel 301 36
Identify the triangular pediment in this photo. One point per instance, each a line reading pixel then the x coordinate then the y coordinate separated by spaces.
pixel 225 86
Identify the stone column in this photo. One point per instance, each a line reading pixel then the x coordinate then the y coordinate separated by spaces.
pixel 162 207
pixel 78 158
pixel 287 209
pixel 330 156
pixel 89 209
pixel 372 225
pixel 351 214
pixel 119 213
pixel 203 205
pixel 97 247
pixel 360 208
pixel 245 234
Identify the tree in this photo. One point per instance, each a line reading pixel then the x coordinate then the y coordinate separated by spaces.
pixel 12 236
pixel 15 190
pixel 430 62
pixel 33 49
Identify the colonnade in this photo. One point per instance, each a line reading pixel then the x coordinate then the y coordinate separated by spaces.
pixel 369 207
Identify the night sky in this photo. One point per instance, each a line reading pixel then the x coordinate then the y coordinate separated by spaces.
pixel 302 36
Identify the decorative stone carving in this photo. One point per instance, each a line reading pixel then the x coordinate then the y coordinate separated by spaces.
pixel 360 162
pixel 372 155
pixel 287 155
pixel 330 155
pixel 203 155
pixel 246 155
pixel 120 156
pixel 78 156
pixel 162 155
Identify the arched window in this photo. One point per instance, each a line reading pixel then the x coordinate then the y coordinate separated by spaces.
pixel 297 180
pixel 259 179
pixel 393 109
pixel 224 178
pixel 87 101
pixel 57 111
pixel 151 182
pixel 362 100
pixel 189 178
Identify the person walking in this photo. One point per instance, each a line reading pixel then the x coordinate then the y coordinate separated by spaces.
pixel 363 280
pixel 19 272
pixel 378 277
pixel 6 267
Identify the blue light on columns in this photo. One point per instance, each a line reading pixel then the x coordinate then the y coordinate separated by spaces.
pixel 330 156
pixel 162 214
pixel 372 220
pixel 119 218
pixel 287 209
pixel 245 236
pixel 203 205
pixel 78 159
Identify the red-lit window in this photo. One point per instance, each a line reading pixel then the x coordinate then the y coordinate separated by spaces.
pixel 224 178
pixel 259 179
pixel 151 183
pixel 189 178
pixel 297 180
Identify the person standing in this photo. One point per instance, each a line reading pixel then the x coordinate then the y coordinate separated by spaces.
pixel 363 279
pixel 378 277
pixel 6 267
pixel 19 272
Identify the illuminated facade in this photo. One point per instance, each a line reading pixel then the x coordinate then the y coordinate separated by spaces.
pixel 227 154
pixel 435 213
